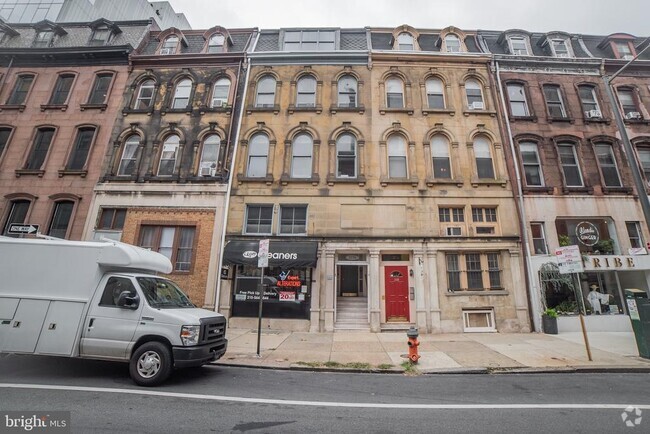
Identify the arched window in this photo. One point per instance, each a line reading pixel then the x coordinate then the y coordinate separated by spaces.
pixel 397 167
pixel 394 93
pixel 347 89
pixel 452 43
pixel 483 155
pixel 129 155
pixel 607 164
pixel 532 165
pixel 216 43
pixel 169 156
pixel 306 92
pixel 209 155
pixel 440 154
pixel 346 156
pixel 220 93
pixel 182 94
pixel 517 98
pixel 18 210
pixel 435 93
pixel 405 42
pixel 589 102
pixel 79 154
pixel 258 154
pixel 301 160
pixel 265 96
pixel 474 92
pixel 144 100
pixel 570 165
pixel 62 89
pixel 170 45
pixel 61 216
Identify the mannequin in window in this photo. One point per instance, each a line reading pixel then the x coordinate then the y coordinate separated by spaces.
pixel 594 297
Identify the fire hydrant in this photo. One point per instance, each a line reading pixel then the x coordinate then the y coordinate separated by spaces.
pixel 413 344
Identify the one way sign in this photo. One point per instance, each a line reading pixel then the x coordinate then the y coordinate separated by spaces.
pixel 18 229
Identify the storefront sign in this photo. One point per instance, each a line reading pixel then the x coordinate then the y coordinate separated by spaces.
pixel 615 262
pixel 287 296
pixel 289 254
pixel 569 259
pixel 587 233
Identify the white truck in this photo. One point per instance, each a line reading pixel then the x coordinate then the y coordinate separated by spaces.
pixel 102 300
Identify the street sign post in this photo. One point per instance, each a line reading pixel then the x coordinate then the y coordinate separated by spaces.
pixel 262 262
pixel 22 229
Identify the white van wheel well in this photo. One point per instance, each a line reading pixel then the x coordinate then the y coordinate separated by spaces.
pixel 150 338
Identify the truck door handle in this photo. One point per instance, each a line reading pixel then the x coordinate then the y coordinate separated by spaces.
pixel 90 323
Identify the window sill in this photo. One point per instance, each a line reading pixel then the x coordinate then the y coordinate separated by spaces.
pixel 407 110
pixel 157 178
pixel 569 190
pixel 275 109
pixel 430 111
pixel 635 121
pixel 480 112
pixel 100 107
pixel 205 109
pixel 486 292
pixel 488 182
pixel 615 190
pixel 523 118
pixel 286 179
pixel 62 107
pixel 206 179
pixel 268 179
pixel 385 181
pixel 533 190
pixel 565 120
pixel 8 107
pixel 360 109
pixel 128 111
pixel 186 110
pixel 361 180
pixel 119 178
pixel 450 181
pixel 32 172
pixel 64 172
pixel 597 121
pixel 318 109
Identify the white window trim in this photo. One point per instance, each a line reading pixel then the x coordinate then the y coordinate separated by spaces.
pixel 245 225
pixel 525 41
pixel 489 329
pixel 539 164
pixel 290 205
pixel 543 231
pixel 575 157
pixel 567 44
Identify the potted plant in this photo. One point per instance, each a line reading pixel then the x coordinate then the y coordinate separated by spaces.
pixel 564 240
pixel 605 247
pixel 549 321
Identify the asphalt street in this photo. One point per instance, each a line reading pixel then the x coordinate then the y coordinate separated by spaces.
pixel 215 398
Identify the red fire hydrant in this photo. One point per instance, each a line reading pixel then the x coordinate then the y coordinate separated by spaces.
pixel 413 344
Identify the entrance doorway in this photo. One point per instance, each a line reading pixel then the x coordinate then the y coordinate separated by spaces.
pixel 352 280
pixel 397 293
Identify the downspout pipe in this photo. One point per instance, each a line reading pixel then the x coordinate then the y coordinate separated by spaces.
pixel 231 173
pixel 534 304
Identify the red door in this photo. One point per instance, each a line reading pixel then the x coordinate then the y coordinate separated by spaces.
pixel 397 292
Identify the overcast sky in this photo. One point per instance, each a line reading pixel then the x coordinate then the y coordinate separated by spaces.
pixel 575 16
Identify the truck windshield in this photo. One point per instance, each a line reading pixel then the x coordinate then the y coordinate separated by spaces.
pixel 162 293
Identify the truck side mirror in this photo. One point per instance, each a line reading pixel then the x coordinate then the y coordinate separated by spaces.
pixel 128 300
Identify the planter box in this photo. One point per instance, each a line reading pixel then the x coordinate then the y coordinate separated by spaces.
pixel 595 323
pixel 549 324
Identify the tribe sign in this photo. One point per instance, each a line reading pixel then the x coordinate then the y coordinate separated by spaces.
pixel 587 233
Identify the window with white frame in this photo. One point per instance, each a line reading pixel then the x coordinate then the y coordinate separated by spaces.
pixel 310 40
pixel 478 320
pixel 394 93
pixel 441 158
pixel 265 96
pixel 144 99
pixel 539 239
pixel 634 234
pixel 346 156
pixel 43 39
pixel 589 102
pixel 216 43
pixel 517 98
pixel 644 161
pixel 624 50
pixel 209 155
pixel 570 165
pixel 347 90
pixel 397 164
pixel 306 92
pixel 129 156
pixel 483 156
pixel 628 103
pixel 560 47
pixel 169 46
pixel 61 216
pixel 607 163
pixel 220 93
pixel 474 93
pixel 405 42
pixel 182 94
pixel 293 219
pixel 531 162
pixel 484 214
pixel 435 93
pixel 301 158
pixel 259 219
pixel 451 214
pixel 258 154
pixel 452 43
pixel 554 102
pixel 169 155
pixel 481 271
pixel 518 45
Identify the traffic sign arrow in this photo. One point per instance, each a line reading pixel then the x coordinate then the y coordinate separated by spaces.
pixel 17 229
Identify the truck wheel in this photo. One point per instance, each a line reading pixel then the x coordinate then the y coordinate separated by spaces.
pixel 151 364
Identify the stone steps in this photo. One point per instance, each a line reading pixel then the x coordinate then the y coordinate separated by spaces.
pixel 352 314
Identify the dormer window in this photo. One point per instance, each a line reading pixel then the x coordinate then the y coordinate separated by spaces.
pixel 452 43
pixel 310 40
pixel 216 43
pixel 169 46
pixel 560 48
pixel 101 36
pixel 518 46
pixel 405 42
pixel 44 39
pixel 624 50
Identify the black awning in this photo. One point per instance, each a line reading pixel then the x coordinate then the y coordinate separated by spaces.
pixel 286 254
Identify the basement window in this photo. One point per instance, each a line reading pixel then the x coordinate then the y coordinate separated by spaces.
pixel 478 320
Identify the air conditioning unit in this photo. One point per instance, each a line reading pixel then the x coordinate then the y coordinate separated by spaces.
pixel 594 114
pixel 452 231
pixel 164 51
pixel 628 57
pixel 476 105
pixel 208 171
pixel 633 115
pixel 219 103
pixel 563 55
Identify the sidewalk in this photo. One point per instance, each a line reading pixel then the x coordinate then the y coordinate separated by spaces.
pixel 443 353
